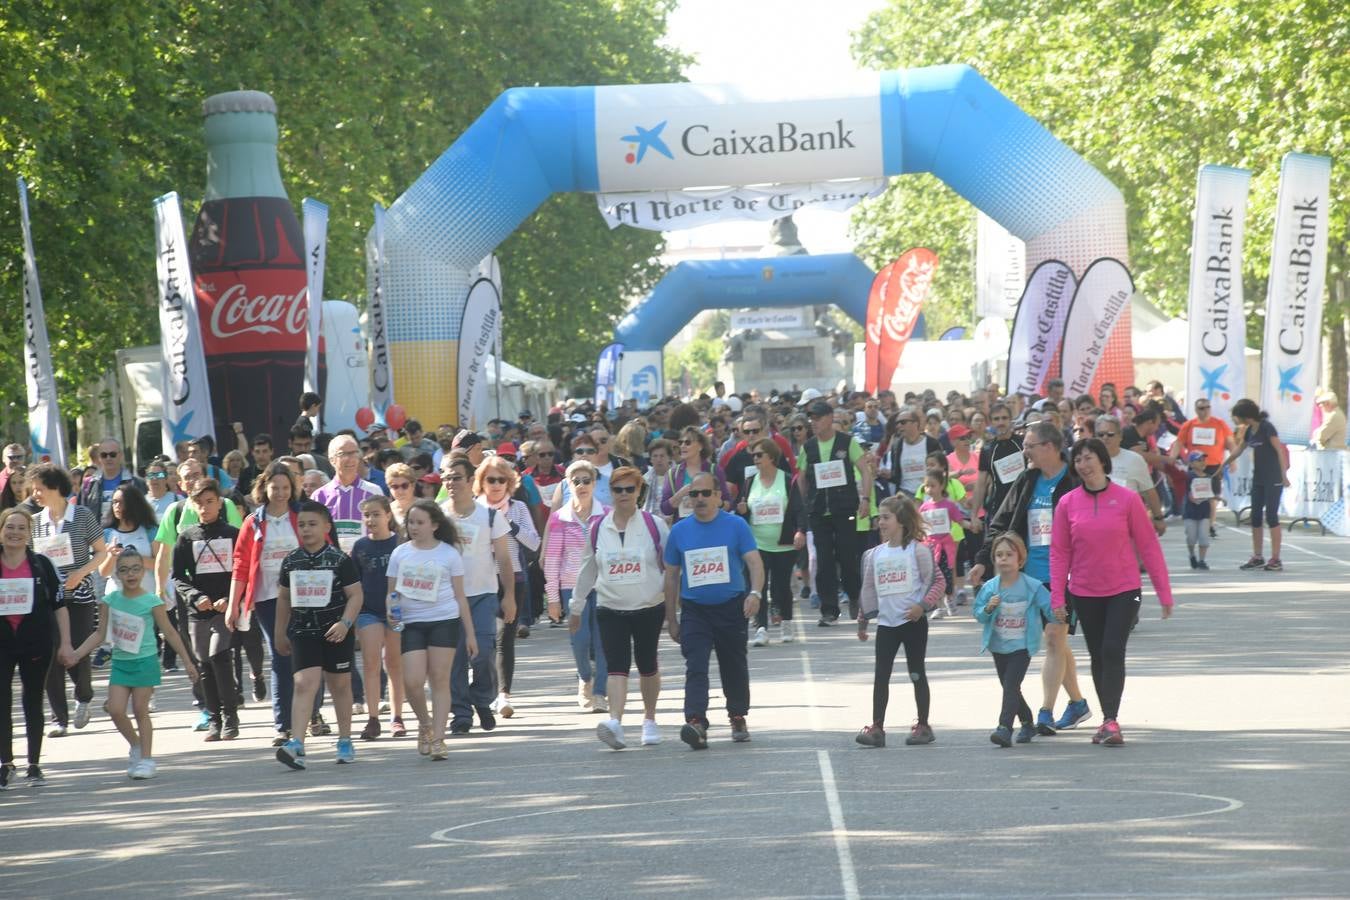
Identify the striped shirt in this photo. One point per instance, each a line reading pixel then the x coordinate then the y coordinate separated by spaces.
pixel 562 553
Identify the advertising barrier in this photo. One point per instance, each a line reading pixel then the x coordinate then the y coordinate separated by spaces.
pixel 1317 480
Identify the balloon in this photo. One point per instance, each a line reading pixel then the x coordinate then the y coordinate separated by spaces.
pixel 365 417
pixel 395 417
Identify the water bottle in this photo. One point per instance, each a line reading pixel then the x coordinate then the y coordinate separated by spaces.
pixel 395 611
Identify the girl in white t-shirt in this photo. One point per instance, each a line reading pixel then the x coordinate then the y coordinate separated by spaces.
pixel 901 582
pixel 426 583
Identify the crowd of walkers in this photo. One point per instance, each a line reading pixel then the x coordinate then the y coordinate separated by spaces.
pixel 718 521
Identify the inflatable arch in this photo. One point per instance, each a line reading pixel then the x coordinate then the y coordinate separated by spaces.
pixel 533 142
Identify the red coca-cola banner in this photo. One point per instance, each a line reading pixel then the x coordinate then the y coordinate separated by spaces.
pixel 900 308
pixel 887 280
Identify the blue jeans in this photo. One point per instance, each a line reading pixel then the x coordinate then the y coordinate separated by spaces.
pixel 464 696
pixel 283 684
pixel 586 642
pixel 709 628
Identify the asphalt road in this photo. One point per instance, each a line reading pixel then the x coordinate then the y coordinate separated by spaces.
pixel 1234 781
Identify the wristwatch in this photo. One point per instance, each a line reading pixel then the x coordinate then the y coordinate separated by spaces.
pixel 756 593
pixel 348 623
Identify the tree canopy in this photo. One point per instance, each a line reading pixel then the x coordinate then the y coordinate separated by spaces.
pixel 102 113
pixel 1146 91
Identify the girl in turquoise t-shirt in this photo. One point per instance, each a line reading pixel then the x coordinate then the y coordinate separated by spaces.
pixel 129 618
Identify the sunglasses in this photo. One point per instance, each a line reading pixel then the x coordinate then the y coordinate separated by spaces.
pixel 1197 407
pixel 109 454
pixel 581 482
pixel 759 455
pixel 798 427
pixel 399 485
pixel 685 442
pixel 495 479
pixel 706 492
pixel 156 476
pixel 583 451
pixel 751 430
pixel 454 479
pixel 623 488
pixel 545 454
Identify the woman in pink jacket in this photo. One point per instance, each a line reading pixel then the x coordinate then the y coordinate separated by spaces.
pixel 1099 527
pixel 565 537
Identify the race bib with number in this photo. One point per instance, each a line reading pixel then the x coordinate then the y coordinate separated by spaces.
pixel 830 474
pixel 1202 489
pixel 1010 620
pixel 1165 440
pixel 348 533
pixel 213 556
pixel 126 631
pixel 894 575
pixel 1009 467
pixel 767 511
pixel 420 582
pixel 57 548
pixel 468 533
pixel 913 467
pixel 311 589
pixel 707 566
pixel 1039 523
pixel 939 521
pixel 623 567
pixel 276 551
pixel 1203 437
pixel 16 596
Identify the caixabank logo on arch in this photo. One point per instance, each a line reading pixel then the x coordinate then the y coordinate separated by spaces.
pixel 671 136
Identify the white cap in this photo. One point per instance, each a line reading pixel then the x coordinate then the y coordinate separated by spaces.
pixel 808 395
pixel 734 403
pixel 576 417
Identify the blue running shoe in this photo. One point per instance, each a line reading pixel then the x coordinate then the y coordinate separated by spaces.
pixel 1045 723
pixel 203 722
pixel 1024 733
pixel 1002 736
pixel 1077 711
pixel 292 754
pixel 346 753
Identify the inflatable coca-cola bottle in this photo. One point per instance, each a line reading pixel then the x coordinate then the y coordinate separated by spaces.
pixel 249 271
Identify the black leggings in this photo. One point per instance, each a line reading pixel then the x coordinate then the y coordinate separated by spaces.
pixel 506 641
pixel 33 678
pixel 1106 625
pixel 778 581
pixel 247 643
pixel 83 621
pixel 1012 668
pixel 913 636
pixel 630 635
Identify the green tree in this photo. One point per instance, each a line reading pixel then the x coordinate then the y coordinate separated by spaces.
pixel 102 114
pixel 1146 91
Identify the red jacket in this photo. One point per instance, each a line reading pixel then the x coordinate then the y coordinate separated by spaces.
pixel 248 552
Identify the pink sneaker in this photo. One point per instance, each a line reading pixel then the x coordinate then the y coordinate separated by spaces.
pixel 1109 734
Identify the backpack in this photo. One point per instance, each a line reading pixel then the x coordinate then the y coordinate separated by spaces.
pixel 649 519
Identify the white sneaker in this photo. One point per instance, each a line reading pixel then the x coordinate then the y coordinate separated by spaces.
pixel 358 709
pixel 651 735
pixel 143 770
pixel 962 598
pixel 504 708
pixel 600 703
pixel 154 707
pixel 611 733
pixel 584 693
pixel 81 718
pixel 788 633
pixel 133 760
pixel 384 707
pixel 761 638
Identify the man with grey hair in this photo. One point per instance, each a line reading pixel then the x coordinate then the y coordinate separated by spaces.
pixel 97 491
pixel 1129 469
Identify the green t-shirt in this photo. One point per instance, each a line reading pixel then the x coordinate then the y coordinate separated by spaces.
pixel 182 515
pixel 855 453
pixel 768 508
pixel 128 615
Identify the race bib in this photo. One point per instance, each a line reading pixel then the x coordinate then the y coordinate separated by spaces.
pixel 939 521
pixel 420 582
pixel 1010 620
pixel 213 556
pixel 1039 523
pixel 126 630
pixel 894 576
pixel 1203 437
pixel 707 566
pixel 913 467
pixel 468 533
pixel 57 548
pixel 830 474
pixel 16 596
pixel 767 510
pixel 348 533
pixel 311 589
pixel 275 551
pixel 1202 489
pixel 1009 467
pixel 624 567
pixel 1165 440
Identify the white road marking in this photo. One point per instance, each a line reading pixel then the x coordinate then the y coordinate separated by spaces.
pixel 847 876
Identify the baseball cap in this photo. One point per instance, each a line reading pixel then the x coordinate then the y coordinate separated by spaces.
pixel 506 448
pixel 1195 456
pixel 430 478
pixel 808 395
pixel 819 408
pixel 956 432
pixel 465 439
pixel 525 414
pixel 734 403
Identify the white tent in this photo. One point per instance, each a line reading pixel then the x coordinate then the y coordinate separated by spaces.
pixel 520 390
pixel 1161 354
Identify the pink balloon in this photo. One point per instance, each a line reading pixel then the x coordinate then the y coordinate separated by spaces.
pixel 395 417
pixel 365 417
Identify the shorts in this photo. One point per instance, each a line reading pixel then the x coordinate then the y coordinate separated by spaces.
pixel 1197 532
pixel 318 652
pixel 365 619
pixel 421 635
pixel 626 635
pixel 1266 499
pixel 142 671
